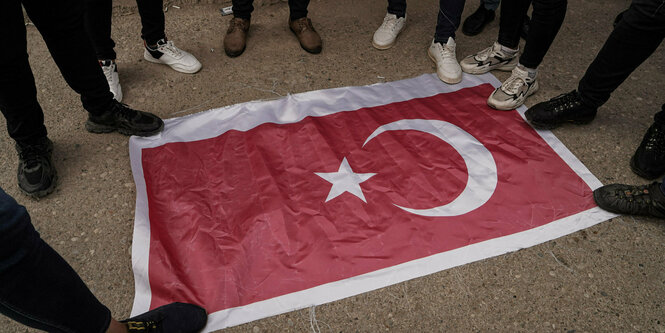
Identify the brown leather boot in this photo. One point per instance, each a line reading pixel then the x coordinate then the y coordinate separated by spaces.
pixel 307 36
pixel 236 36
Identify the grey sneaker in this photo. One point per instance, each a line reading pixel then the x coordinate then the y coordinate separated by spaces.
pixel 513 91
pixel 489 59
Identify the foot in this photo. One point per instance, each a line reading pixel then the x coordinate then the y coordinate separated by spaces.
pixel 491 58
pixel 475 23
pixel 235 40
pixel 111 73
pixel 309 39
pixel 37 176
pixel 566 108
pixel 649 158
pixel 633 200
pixel 514 90
pixel 119 117
pixel 385 36
pixel 170 318
pixel 165 52
pixel 447 68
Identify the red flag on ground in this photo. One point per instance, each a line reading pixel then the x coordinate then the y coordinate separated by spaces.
pixel 272 206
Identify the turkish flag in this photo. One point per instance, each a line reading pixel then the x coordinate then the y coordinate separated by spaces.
pixel 250 215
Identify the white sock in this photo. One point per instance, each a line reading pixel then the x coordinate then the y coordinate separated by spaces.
pixel 532 71
pixel 508 50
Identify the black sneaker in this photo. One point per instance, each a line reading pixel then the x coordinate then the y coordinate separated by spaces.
pixel 36 174
pixel 646 200
pixel 170 318
pixel 127 121
pixel 649 158
pixel 475 23
pixel 566 108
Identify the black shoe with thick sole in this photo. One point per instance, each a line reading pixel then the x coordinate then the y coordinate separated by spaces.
pixel 647 200
pixel 170 318
pixel 566 108
pixel 37 176
pixel 475 23
pixel 649 158
pixel 119 117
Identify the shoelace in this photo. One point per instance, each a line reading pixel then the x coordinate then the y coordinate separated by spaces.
pixel 303 25
pixel 639 195
pixel 512 85
pixel 170 49
pixel 31 154
pixel 236 24
pixel 124 111
pixel 565 101
pixel 484 54
pixel 446 53
pixel 390 23
pixel 656 140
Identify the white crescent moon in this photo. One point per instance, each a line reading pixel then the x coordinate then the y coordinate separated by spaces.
pixel 479 163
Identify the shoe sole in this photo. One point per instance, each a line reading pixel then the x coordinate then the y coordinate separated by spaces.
pixel 175 68
pixel 100 129
pixel 444 79
pixel 641 173
pixel 383 47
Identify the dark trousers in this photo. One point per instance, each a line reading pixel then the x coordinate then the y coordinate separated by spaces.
pixel 448 20
pixel 244 8
pixel 61 26
pixel 397 7
pixel 37 286
pixel 97 20
pixel 546 20
pixel 634 39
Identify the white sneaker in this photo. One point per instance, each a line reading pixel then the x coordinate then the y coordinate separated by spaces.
pixel 489 59
pixel 385 35
pixel 513 91
pixel 447 67
pixel 111 72
pixel 168 54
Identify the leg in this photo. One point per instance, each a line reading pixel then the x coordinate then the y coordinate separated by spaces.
pixel 97 20
pixel 448 19
pixel 546 20
pixel 397 7
pixel 18 95
pixel 510 24
pixel 242 8
pixel 61 26
pixel 635 38
pixel 491 4
pixel 152 20
pixel 37 287
pixel 297 9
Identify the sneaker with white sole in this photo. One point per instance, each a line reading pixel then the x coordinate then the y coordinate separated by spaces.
pixel 513 91
pixel 447 67
pixel 489 59
pixel 385 36
pixel 110 70
pixel 168 54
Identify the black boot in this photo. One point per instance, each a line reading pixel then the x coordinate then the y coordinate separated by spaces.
pixel 119 117
pixel 170 318
pixel 475 23
pixel 36 174
pixel 649 158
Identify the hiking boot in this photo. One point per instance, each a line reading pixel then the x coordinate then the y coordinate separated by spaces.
pixel 110 70
pixel 489 59
pixel 447 68
pixel 385 36
pixel 166 53
pixel 566 108
pixel 119 117
pixel 235 40
pixel 37 176
pixel 649 158
pixel 630 199
pixel 475 23
pixel 170 318
pixel 309 39
pixel 514 90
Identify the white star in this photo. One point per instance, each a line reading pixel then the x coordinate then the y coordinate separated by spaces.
pixel 345 180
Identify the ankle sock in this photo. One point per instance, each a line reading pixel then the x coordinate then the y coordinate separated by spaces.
pixel 508 50
pixel 532 71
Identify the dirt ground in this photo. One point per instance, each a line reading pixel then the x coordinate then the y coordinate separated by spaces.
pixel 610 277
